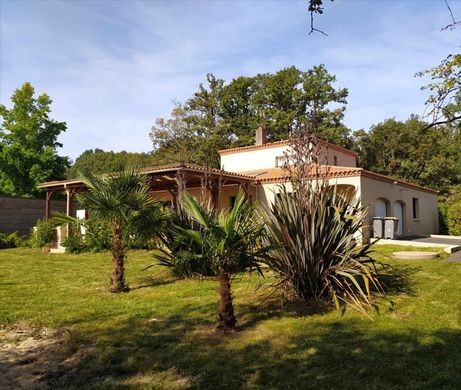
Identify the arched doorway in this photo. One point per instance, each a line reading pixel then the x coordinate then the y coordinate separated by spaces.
pixel 381 209
pixel 399 213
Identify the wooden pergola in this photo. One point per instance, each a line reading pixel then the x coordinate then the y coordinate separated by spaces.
pixel 175 179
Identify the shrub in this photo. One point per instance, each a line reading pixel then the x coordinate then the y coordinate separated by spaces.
pixel 316 252
pixel 443 217
pixel 178 251
pixel 43 234
pixel 12 240
pixel 74 243
pixel 137 241
pixel 454 217
pixel 315 230
pixel 98 235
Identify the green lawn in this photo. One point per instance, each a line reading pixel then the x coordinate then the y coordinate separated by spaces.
pixel 160 335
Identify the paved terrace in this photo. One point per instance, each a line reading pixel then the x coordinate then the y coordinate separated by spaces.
pixel 450 244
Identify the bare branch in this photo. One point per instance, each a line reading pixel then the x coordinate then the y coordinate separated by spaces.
pixel 315 7
pixel 454 22
pixel 443 122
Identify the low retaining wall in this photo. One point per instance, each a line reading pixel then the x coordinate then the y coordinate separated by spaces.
pixel 21 214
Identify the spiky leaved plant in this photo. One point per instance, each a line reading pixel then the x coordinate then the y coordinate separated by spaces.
pixel 229 243
pixel 179 251
pixel 316 231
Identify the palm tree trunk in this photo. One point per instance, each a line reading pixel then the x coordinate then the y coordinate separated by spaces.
pixel 117 279
pixel 226 309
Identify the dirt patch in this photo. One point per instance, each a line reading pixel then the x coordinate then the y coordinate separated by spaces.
pixel 35 358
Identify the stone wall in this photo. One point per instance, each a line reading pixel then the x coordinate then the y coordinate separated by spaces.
pixel 21 214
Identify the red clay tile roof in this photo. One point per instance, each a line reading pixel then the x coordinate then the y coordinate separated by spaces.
pixel 261 176
pixel 162 168
pixel 276 175
pixel 283 143
pixel 280 175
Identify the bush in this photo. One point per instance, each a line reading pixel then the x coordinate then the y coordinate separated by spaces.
pixel 12 240
pixel 183 255
pixel 454 217
pixel 43 234
pixel 443 217
pixel 316 252
pixel 98 235
pixel 74 243
pixel 140 242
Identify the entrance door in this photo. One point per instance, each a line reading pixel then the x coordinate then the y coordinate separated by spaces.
pixel 380 208
pixel 398 213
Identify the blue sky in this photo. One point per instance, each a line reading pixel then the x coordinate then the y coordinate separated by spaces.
pixel 112 67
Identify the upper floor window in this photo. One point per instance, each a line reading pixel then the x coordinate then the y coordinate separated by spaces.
pixel 280 161
pixel 335 161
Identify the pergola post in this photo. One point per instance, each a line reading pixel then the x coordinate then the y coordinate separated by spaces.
pixel 181 184
pixel 48 196
pixel 246 190
pixel 69 208
pixel 69 203
pixel 214 193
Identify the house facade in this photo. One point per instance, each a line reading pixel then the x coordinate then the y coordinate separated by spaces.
pixel 258 169
pixel 413 205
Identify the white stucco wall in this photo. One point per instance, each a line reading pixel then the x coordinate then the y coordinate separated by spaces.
pixel 368 191
pixel 266 157
pixel 266 193
pixel 428 220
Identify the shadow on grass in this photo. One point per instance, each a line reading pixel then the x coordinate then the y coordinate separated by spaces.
pixel 295 354
pixel 296 349
pixel 152 282
pixel 276 307
pixel 398 280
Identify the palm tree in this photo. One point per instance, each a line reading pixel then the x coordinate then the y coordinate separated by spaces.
pixel 123 201
pixel 229 242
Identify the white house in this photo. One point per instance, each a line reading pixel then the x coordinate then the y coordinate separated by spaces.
pixel 258 169
pixel 413 205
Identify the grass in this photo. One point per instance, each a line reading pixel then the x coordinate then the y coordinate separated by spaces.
pixel 160 335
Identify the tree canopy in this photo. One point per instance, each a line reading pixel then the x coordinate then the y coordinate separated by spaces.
pixel 28 144
pixel 412 151
pixel 221 115
pixel 96 161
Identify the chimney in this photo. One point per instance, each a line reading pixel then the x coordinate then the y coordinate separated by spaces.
pixel 261 137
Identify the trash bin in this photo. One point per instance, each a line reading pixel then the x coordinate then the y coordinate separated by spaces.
pixel 378 227
pixel 390 227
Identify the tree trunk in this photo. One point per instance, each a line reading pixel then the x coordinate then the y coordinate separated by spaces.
pixel 226 309
pixel 117 279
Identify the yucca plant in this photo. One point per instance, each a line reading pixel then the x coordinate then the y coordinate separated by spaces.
pixel 123 201
pixel 227 241
pixel 316 253
pixel 316 233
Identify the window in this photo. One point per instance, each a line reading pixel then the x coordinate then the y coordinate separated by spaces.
pixel 335 161
pixel 232 201
pixel 415 208
pixel 280 161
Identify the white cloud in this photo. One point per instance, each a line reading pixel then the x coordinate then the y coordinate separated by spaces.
pixel 111 68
